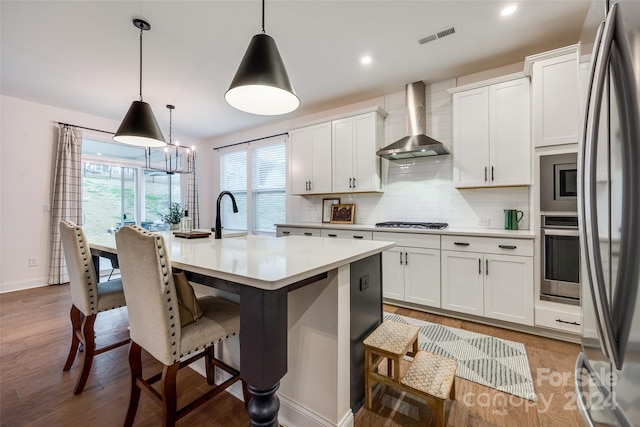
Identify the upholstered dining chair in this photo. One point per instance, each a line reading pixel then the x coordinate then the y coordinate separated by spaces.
pixel 155 325
pixel 88 297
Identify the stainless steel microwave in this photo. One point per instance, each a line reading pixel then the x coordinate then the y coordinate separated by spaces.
pixel 559 182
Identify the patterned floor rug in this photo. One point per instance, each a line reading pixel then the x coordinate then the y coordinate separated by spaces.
pixel 493 362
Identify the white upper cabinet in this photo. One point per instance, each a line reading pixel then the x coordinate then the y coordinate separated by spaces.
pixel 491 133
pixel 310 159
pixel 556 101
pixel 356 167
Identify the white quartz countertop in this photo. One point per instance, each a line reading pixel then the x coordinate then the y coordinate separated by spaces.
pixel 259 261
pixel 450 231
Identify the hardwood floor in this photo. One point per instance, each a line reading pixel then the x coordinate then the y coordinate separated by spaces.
pixel 35 336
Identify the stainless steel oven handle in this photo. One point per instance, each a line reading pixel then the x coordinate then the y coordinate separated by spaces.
pixel 594 261
pixel 555 232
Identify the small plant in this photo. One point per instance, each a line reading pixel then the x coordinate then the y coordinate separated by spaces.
pixel 175 214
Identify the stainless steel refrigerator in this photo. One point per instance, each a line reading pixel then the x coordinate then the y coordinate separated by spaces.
pixel 608 369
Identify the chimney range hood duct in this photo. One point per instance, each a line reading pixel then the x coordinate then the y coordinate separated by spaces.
pixel 417 144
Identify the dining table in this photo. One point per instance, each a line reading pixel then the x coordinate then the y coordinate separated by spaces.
pixel 296 297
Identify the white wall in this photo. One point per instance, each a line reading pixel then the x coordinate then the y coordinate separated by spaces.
pixel 28 142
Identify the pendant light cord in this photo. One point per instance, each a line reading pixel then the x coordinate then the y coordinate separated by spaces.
pixel 262 16
pixel 141 30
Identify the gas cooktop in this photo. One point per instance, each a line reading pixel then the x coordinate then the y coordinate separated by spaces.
pixel 418 225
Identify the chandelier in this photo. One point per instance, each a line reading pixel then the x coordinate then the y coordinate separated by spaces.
pixel 177 159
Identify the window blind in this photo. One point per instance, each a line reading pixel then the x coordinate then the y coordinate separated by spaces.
pixel 268 186
pixel 233 178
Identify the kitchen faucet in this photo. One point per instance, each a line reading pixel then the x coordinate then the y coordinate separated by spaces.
pixel 218 228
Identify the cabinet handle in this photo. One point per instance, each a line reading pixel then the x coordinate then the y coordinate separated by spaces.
pixel 286 232
pixel 491 173
pixel 358 237
pixel 306 185
pixel 485 174
pixel 479 266
pixel 507 247
pixel 349 182
pixel 568 323
pixel 308 234
pixel 400 258
pixel 460 244
pixel 309 185
pixel 486 267
pixel 332 235
pixel 354 182
pixel 406 258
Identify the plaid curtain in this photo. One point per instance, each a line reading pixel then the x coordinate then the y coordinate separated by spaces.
pixel 191 203
pixel 67 197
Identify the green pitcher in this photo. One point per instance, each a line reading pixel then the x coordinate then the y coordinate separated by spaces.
pixel 511 218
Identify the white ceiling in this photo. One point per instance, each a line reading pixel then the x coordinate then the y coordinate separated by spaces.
pixel 83 55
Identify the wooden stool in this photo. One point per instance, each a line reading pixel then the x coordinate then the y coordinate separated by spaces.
pixel 432 378
pixel 390 340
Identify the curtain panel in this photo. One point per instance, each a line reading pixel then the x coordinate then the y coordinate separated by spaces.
pixel 67 197
pixel 191 199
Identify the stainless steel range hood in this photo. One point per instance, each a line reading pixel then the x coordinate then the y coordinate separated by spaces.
pixel 416 144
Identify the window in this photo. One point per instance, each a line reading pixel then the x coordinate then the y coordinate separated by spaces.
pixel 256 176
pixel 116 189
pixel 269 185
pixel 233 178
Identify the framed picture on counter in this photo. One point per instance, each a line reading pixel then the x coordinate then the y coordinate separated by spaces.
pixel 326 208
pixel 343 214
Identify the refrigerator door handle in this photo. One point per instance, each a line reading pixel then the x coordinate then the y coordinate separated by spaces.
pixel 594 261
pixel 586 204
pixel 627 280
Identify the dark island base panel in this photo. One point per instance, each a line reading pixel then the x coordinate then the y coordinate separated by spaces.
pixel 263 350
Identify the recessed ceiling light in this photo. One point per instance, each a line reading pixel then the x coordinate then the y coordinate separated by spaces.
pixel 509 10
pixel 99 154
pixel 366 60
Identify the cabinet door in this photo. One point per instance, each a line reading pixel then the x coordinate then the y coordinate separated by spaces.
pixel 320 158
pixel 299 157
pixel 365 165
pixel 471 138
pixel 508 288
pixel 510 141
pixel 556 101
pixel 462 282
pixel 342 155
pixel 422 276
pixel 393 273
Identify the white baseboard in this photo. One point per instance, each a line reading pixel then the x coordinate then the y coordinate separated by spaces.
pixel 21 286
pixel 290 415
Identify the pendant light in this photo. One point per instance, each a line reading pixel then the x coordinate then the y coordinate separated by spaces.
pixel 174 154
pixel 261 84
pixel 139 127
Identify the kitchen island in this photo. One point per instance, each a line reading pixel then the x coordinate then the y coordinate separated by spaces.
pixel 297 297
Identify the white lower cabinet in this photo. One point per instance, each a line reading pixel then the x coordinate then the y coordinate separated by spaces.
pixel 462 282
pixel 494 285
pixel 411 273
pixel 508 288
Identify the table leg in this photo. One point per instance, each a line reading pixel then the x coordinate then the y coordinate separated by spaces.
pixel 263 350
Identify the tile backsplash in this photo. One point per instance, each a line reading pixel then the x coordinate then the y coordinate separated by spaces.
pixel 422 189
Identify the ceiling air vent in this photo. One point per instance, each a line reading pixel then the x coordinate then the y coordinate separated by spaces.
pixel 437 35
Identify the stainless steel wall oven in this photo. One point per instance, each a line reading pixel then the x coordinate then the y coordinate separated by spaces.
pixel 560 259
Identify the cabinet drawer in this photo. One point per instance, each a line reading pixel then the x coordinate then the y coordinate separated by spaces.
pixel 297 231
pixel 561 320
pixel 414 240
pixel 346 234
pixel 490 245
